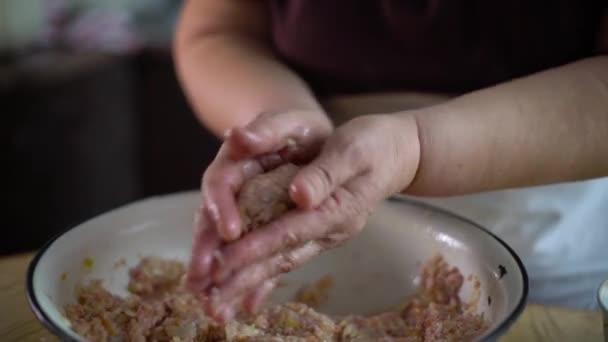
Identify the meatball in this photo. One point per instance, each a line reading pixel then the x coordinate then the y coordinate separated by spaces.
pixel 265 197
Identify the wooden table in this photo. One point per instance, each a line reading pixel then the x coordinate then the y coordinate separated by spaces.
pixel 537 323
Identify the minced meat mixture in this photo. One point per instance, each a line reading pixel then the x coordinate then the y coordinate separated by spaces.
pixel 265 197
pixel 159 308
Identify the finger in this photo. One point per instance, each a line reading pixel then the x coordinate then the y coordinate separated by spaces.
pixel 271 133
pixel 291 229
pixel 253 276
pixel 270 161
pixel 205 242
pixel 219 185
pixel 225 311
pixel 235 148
pixel 350 203
pixel 253 301
pixel 340 160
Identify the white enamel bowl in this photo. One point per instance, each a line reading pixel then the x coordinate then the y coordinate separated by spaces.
pixel 372 272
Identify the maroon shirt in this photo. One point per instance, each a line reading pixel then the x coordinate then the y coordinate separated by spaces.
pixel 346 46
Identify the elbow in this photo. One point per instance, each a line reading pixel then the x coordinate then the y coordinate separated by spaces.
pixel 179 50
pixel 188 38
pixel 181 41
pixel 190 30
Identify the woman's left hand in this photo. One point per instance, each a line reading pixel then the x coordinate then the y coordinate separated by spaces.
pixel 363 162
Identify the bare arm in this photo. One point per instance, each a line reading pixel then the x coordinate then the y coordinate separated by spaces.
pixel 347 107
pixel 227 67
pixel 545 128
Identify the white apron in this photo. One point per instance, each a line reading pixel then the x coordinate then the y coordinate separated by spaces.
pixel 560 232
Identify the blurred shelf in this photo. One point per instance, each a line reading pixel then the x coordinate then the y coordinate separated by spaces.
pixel 83 134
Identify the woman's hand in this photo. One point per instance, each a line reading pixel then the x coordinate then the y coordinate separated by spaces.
pixel 264 143
pixel 364 161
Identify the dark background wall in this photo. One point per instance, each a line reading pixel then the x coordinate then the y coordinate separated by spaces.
pixel 82 134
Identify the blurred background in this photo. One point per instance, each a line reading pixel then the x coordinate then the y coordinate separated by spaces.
pixel 92 114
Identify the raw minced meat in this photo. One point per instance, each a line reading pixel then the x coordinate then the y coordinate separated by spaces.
pixel 287 322
pixel 315 294
pixel 172 314
pixel 161 309
pixel 155 275
pixel 384 327
pixel 265 197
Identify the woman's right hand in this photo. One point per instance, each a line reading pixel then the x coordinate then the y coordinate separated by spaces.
pixel 268 141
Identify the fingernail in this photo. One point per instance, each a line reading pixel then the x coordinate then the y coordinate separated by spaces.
pixel 250 136
pixel 290 143
pixel 202 298
pixel 304 131
pixel 296 195
pixel 218 258
pixel 293 189
pixel 251 168
pixel 220 274
pixel 226 313
pixel 214 213
pixel 228 133
pixel 233 231
pixel 213 296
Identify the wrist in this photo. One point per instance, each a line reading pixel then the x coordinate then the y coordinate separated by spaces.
pixel 411 150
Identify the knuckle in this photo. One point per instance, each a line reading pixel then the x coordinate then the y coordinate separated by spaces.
pixel 213 176
pixel 358 222
pixel 355 210
pixel 331 205
pixel 356 151
pixel 240 255
pixel 333 239
pixel 322 173
pixel 287 262
pixel 290 239
pixel 353 149
pixel 341 142
pixel 265 114
pixel 352 203
pixel 347 211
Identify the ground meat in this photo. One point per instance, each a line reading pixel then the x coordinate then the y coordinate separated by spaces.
pixel 315 294
pixel 435 313
pixel 291 321
pixel 158 309
pixel 384 327
pixel 441 282
pixel 161 309
pixel 266 196
pixel 155 275
pixel 98 315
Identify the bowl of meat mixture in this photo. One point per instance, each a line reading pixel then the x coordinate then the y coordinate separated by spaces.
pixel 415 273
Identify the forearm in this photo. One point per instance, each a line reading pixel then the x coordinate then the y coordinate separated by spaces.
pixel 230 75
pixel 346 107
pixel 546 128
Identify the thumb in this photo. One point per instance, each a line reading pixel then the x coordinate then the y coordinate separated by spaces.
pixel 337 164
